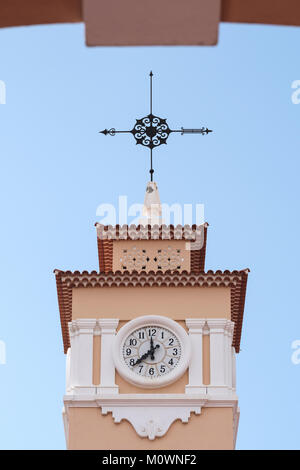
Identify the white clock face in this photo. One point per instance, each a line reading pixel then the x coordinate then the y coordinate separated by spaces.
pixel 151 351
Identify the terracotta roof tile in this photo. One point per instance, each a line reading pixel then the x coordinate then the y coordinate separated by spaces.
pixel 148 232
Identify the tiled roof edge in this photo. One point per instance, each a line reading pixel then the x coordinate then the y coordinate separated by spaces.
pixel 149 232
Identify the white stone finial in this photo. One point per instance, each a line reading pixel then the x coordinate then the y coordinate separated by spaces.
pixel 151 214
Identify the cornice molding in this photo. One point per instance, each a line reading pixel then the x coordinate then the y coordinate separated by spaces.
pixel 94 400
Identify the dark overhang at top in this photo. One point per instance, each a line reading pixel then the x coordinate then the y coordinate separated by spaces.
pixel 173 23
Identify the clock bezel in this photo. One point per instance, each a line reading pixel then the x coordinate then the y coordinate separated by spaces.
pixel 148 382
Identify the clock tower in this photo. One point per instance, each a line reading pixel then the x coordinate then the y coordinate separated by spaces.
pixel 151 340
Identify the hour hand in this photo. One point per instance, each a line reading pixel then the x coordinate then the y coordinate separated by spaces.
pixel 153 349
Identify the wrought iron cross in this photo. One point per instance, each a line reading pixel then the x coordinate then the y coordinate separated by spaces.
pixel 152 131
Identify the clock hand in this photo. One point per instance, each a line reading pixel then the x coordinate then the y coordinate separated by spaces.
pixel 144 356
pixel 152 348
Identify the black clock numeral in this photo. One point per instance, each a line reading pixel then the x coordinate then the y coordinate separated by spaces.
pixel 152 332
pixel 162 369
pixel 151 371
pixel 175 352
pixel 128 351
pixel 141 335
pixel 132 362
pixel 171 362
pixel 171 341
pixel 140 369
pixel 133 342
pixel 162 335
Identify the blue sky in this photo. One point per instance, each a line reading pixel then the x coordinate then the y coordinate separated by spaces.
pixel 56 169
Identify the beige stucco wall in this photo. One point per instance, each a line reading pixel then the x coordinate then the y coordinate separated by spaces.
pixel 126 303
pixel 206 359
pixel 96 359
pixel 89 429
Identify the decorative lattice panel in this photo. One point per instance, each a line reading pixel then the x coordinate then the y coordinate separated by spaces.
pixel 164 259
pixel 134 259
pixel 169 258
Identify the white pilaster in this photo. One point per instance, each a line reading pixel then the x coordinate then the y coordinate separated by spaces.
pixel 228 353
pixel 195 385
pixel 68 372
pixel 84 354
pixel 73 378
pixel 233 358
pixel 217 355
pixel 107 367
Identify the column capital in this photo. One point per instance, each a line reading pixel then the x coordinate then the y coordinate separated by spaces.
pixel 72 329
pixel 108 325
pixel 85 325
pixel 195 325
pixel 217 325
pixel 230 327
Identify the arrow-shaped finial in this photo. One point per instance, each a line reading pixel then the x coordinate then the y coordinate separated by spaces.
pixel 151 75
pixel 111 131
